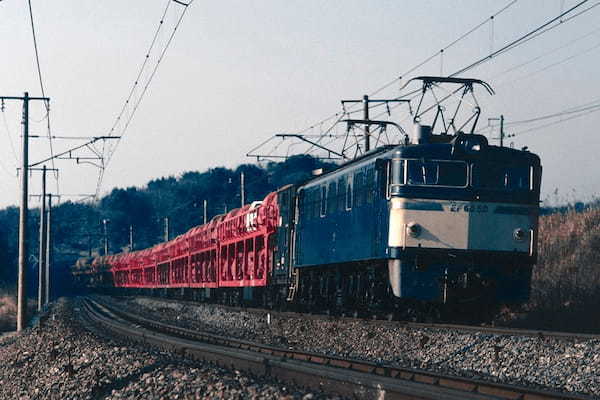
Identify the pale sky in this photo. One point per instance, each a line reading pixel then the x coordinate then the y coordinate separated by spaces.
pixel 238 72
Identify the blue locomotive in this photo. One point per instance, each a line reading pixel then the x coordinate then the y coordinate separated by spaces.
pixel 444 218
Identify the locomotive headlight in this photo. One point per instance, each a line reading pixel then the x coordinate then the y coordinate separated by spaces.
pixel 519 234
pixel 414 229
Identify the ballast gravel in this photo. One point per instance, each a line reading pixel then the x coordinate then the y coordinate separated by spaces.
pixel 60 359
pixel 567 364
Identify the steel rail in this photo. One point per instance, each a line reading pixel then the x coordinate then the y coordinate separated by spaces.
pixel 484 329
pixel 347 377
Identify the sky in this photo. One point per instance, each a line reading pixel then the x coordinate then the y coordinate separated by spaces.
pixel 238 72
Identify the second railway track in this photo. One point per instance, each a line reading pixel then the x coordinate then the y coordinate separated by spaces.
pixel 348 377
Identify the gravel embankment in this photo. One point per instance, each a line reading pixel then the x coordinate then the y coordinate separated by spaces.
pixel 59 359
pixel 565 364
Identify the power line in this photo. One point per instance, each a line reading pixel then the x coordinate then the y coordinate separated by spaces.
pixel 417 66
pixel 545 27
pixel 112 150
pixel 555 64
pixel 590 111
pixel 448 46
pixel 515 43
pixel 526 37
pixel 552 51
pixel 46 103
pixel 573 110
pixel 142 67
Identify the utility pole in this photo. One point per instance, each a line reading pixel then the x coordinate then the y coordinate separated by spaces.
pixel 130 237
pixel 242 189
pixel 366 118
pixel 502 131
pixel 502 135
pixel 205 207
pixel 49 246
pixel 42 253
pixel 104 222
pixel 166 229
pixel 366 121
pixel 23 211
pixel 23 214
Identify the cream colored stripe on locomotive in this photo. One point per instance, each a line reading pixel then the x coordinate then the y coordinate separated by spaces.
pixel 458 225
pixel 440 229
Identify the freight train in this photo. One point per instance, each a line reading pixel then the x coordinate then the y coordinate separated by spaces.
pixel 439 218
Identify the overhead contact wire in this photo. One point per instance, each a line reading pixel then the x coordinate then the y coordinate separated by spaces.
pixel 46 104
pixel 112 150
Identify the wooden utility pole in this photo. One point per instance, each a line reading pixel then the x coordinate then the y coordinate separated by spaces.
pixel 49 246
pixel 42 253
pixel 23 211
pixel 366 118
pixel 166 229
pixel 205 207
pixel 23 214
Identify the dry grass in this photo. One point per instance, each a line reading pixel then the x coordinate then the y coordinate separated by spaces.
pixel 566 281
pixel 8 311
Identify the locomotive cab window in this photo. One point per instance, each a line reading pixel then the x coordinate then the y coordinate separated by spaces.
pixel 437 173
pixel 488 175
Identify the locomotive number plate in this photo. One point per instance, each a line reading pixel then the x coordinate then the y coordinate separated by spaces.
pixel 470 208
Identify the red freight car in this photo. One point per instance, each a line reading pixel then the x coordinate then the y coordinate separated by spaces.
pixel 232 250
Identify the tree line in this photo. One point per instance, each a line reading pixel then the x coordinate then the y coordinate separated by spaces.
pixel 78 228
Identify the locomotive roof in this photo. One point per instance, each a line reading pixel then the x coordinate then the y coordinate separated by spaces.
pixel 431 151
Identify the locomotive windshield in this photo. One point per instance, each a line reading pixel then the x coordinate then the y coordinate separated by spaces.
pixel 489 175
pixel 436 173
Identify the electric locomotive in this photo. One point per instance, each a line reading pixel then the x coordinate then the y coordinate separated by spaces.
pixel 444 218
pixel 439 218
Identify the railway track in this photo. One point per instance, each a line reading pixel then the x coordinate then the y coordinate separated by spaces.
pixel 484 329
pixel 347 377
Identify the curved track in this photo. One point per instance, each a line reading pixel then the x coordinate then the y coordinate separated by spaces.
pixel 342 376
pixel 384 320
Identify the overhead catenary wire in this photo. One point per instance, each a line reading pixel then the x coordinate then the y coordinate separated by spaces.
pixel 579 115
pixel 46 103
pixel 513 44
pixel 112 150
pixel 552 65
pixel 443 49
pixel 572 110
pixel 541 29
pixel 352 109
pixel 526 37
pixel 141 71
pixel 545 54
